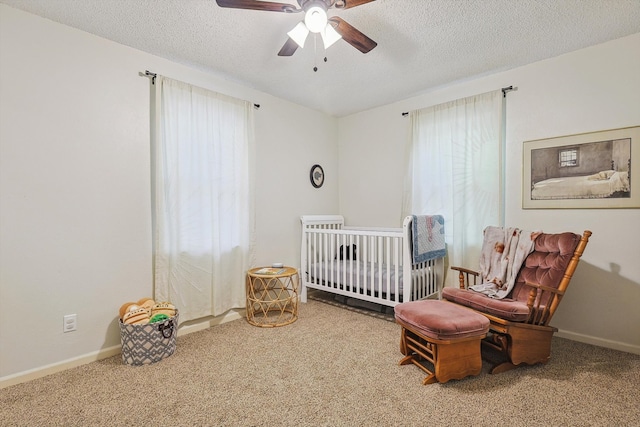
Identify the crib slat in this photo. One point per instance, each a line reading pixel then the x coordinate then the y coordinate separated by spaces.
pixel 358 284
pixel 396 266
pixel 387 278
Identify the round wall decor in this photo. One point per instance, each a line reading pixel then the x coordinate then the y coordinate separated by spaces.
pixel 316 176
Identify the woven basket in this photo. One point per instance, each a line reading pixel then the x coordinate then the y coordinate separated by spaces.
pixel 150 343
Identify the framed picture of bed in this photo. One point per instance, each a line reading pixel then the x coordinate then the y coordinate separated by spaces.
pixel 588 170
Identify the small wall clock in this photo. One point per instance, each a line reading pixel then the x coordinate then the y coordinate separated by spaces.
pixel 316 176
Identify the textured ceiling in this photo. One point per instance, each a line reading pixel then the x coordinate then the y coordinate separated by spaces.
pixel 422 44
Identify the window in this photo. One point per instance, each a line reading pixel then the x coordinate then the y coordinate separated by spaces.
pixel 456 170
pixel 568 157
pixel 203 222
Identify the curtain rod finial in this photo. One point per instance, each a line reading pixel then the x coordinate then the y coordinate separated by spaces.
pixel 507 89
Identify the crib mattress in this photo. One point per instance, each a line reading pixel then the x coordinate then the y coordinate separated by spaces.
pixel 357 275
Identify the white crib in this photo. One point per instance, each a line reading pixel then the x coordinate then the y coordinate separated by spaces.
pixel 382 271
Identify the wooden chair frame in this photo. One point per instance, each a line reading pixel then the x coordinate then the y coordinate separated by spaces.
pixel 527 342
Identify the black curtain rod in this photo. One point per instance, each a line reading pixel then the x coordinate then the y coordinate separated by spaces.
pixel 504 95
pixel 153 76
pixel 505 90
pixel 148 73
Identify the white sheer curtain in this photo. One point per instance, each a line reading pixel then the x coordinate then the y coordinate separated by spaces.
pixel 454 168
pixel 203 192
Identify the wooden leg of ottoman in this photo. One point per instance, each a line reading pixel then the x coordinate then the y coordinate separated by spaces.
pixel 458 359
pixel 451 359
pixel 403 344
pixel 431 376
pixel 416 349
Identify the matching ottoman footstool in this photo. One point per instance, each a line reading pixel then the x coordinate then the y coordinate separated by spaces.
pixel 444 334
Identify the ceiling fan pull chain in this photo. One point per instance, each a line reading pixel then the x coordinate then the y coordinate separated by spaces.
pixel 315 53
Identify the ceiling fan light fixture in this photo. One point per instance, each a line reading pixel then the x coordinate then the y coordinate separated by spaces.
pixel 329 36
pixel 316 19
pixel 299 34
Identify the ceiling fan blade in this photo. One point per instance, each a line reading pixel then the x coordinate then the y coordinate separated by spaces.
pixel 289 48
pixel 352 36
pixel 353 3
pixel 257 5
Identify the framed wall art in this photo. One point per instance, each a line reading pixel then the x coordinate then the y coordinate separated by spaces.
pixel 316 175
pixel 588 170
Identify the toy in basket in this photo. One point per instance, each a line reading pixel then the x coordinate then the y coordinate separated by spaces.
pixel 147 331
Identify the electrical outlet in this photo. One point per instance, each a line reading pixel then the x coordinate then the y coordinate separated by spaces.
pixel 70 323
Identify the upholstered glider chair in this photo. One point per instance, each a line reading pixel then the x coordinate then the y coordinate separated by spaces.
pixel 519 323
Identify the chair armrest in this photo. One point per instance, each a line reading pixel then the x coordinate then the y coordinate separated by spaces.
pixel 465 275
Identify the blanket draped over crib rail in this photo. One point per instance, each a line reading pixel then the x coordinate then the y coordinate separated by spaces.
pixel 428 237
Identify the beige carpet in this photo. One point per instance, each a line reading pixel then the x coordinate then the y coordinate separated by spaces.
pixel 332 367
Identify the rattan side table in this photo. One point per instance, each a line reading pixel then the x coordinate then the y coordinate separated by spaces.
pixel 272 296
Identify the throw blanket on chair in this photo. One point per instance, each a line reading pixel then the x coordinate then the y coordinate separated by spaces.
pixel 428 237
pixel 503 252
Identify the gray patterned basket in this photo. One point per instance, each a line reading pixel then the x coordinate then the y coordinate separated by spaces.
pixel 146 344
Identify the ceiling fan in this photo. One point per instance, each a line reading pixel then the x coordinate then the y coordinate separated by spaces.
pixel 331 29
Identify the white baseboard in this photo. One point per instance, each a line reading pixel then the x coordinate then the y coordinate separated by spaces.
pixel 32 374
pixel 600 342
pixel 195 326
pixel 43 371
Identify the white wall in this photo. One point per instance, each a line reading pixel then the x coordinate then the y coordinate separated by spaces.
pixel 75 220
pixel 291 139
pixel 592 89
